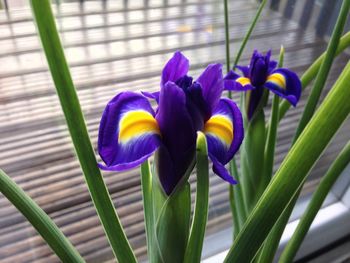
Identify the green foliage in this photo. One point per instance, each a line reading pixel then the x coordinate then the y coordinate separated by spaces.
pixel 200 216
pixel 252 159
pixel 75 121
pixel 336 169
pixel 39 220
pixel 173 224
pixel 293 171
pixel 312 71
pixel 150 220
pixel 322 74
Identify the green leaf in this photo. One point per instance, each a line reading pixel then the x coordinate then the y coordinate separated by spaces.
pixel 227 36
pixel 200 216
pixel 312 71
pixel 315 204
pixel 147 194
pixel 74 117
pixel 293 171
pixel 322 75
pixel 252 160
pixel 249 32
pixel 237 203
pixel 39 220
pixel 275 236
pixel 272 132
pixel 172 228
pixel 273 239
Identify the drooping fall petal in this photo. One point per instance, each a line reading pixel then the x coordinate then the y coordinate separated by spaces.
pixel 128 132
pixel 285 84
pixel 224 132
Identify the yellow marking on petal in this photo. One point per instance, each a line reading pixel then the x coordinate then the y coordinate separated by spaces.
pixel 135 123
pixel 244 81
pixel 277 79
pixel 221 127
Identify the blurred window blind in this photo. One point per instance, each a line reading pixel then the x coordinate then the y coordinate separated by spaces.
pixel 114 46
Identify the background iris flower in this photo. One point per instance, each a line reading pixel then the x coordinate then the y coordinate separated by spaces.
pixel 260 74
pixel 130 130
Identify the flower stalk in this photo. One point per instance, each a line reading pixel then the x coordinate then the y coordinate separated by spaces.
pixel 200 216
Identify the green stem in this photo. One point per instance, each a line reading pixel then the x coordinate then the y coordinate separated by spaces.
pixel 293 171
pixel 311 72
pixel 75 120
pixel 235 212
pixel 249 32
pixel 272 132
pixel 234 196
pixel 324 69
pixel 146 183
pixel 227 38
pixel 318 197
pixel 39 220
pixel 237 203
pixel 200 216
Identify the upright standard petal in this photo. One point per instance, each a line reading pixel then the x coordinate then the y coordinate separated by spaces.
pixel 224 132
pixel 211 81
pixel 285 84
pixel 128 132
pixel 176 68
pixel 178 136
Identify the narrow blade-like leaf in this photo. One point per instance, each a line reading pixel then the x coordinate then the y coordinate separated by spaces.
pixel 76 124
pixel 293 171
pixel 315 204
pixel 39 220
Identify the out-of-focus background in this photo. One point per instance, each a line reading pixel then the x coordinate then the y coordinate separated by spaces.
pixel 114 46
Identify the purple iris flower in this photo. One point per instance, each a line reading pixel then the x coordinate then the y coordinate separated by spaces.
pixel 131 130
pixel 262 73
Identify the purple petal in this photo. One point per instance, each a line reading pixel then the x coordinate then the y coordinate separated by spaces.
pixel 221 171
pixel 178 135
pixel 233 81
pixel 224 131
pixel 231 75
pixel 184 82
pixel 128 132
pixel 176 68
pixel 151 95
pixel 286 84
pixel 244 70
pixel 211 81
pixel 259 68
pixel 252 100
pixel 197 106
